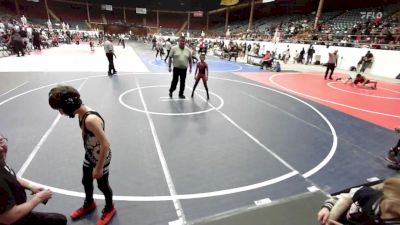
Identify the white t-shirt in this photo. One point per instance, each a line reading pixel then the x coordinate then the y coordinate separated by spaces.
pixel 168 45
pixel 108 47
pixel 29 32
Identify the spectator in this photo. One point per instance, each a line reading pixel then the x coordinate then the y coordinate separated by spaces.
pixel 168 48
pixel 36 40
pixel 16 42
pixel 376 205
pixel 393 155
pixel 159 48
pixel 24 21
pixel 367 61
pixel 310 53
pixel 300 59
pixel 234 52
pixel 266 60
pixel 277 66
pixel 154 41
pixel 14 207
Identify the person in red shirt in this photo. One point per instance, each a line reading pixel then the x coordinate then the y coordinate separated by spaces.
pixel 266 60
pixel 360 79
pixel 201 73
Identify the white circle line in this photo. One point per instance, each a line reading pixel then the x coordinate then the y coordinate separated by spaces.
pixel 387 89
pixel 324 100
pixel 229 63
pixel 166 114
pixel 356 93
pixel 333 131
pixel 1 95
pixel 172 197
pixel 35 89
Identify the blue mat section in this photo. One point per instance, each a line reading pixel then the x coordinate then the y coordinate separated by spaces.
pixel 214 63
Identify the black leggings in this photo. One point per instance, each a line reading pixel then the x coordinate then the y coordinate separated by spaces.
pixel 102 183
pixel 39 218
pixel 205 86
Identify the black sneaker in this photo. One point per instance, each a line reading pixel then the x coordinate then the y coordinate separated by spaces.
pixel 170 94
pixel 110 74
pixel 182 96
pixel 115 72
pixel 392 157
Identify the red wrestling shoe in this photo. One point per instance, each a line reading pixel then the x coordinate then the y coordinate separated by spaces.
pixel 106 217
pixel 84 210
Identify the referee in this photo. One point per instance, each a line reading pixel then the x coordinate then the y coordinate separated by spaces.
pixel 109 49
pixel 181 57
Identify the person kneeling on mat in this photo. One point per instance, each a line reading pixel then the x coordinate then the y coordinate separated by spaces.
pixel 360 79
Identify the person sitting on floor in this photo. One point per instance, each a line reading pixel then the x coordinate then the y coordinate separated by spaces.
pixel 277 67
pixel 266 60
pixel 376 205
pixel 360 79
pixel 15 208
pixel 393 156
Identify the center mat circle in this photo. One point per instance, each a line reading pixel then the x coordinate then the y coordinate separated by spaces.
pixel 167 114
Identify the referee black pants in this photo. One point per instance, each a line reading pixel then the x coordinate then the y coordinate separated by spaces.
pixel 331 67
pixel 180 74
pixel 111 68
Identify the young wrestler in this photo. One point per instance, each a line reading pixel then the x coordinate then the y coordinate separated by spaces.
pixel 97 160
pixel 201 73
pixel 360 79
